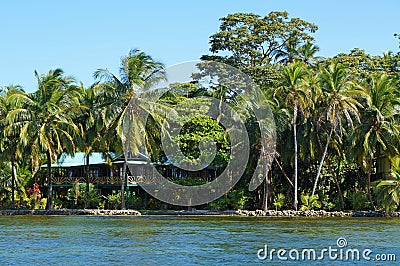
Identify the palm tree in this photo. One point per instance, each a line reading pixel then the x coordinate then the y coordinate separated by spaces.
pixel 138 72
pixel 339 101
pixel 93 129
pixel 9 140
pixel 289 52
pixel 295 51
pixel 307 53
pixel 45 119
pixel 297 98
pixel 388 191
pixel 378 136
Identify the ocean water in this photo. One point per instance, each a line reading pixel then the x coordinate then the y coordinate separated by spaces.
pixel 194 240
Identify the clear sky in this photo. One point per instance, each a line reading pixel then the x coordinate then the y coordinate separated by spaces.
pixel 80 36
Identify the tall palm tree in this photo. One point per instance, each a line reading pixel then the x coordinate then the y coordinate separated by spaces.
pixel 9 140
pixel 339 101
pixel 45 119
pixel 138 72
pixel 92 126
pixel 377 138
pixel 297 98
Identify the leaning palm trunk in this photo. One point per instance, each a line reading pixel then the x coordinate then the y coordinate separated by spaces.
pixel 49 183
pixel 295 202
pixel 322 161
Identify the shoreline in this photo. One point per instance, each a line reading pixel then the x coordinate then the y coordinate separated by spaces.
pixel 256 213
pixel 67 212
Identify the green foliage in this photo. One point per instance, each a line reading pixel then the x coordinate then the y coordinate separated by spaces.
pixel 190 181
pixel 327 203
pixel 254 40
pixel 279 201
pixel 37 204
pixel 77 194
pixel 309 202
pixel 133 201
pixel 359 201
pixel 388 192
pixel 112 201
pixel 198 129
pixel 235 199
pixel 254 43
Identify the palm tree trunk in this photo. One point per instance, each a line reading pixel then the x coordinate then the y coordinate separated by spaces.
pixel 13 178
pixel 322 161
pixel 264 204
pixel 123 177
pixel 369 185
pixel 266 193
pixel 87 173
pixel 49 183
pixel 295 202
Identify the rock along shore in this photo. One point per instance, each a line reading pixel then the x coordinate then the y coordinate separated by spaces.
pixel 321 213
pixel 70 212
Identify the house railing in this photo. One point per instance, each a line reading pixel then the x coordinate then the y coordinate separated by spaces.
pixel 109 180
pixel 102 180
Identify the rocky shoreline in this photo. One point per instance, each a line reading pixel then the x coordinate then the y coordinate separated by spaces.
pixel 321 213
pixel 70 212
pixel 256 213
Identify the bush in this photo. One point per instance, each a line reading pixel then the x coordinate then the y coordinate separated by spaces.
pixel 235 199
pixel 77 194
pixel 309 202
pixel 388 192
pixel 360 201
pixel 112 201
pixel 132 201
pixel 279 200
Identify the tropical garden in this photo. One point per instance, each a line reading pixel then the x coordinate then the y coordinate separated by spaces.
pixel 337 121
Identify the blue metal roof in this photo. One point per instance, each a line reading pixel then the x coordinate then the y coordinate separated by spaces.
pixel 79 159
pixel 95 158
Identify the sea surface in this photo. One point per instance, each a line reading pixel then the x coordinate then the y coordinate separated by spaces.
pixel 195 240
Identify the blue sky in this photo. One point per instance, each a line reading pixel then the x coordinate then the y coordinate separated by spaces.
pixel 82 36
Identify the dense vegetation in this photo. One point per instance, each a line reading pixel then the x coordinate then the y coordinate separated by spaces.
pixel 338 122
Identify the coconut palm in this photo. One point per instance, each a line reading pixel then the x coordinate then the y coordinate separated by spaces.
pixel 297 99
pixel 9 147
pixel 295 51
pixel 377 137
pixel 288 53
pixel 339 102
pixel 138 72
pixel 307 53
pixel 388 192
pixel 94 130
pixel 45 119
